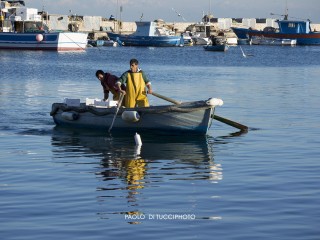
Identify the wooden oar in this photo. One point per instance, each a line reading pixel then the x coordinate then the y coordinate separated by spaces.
pixel 216 117
pixel 231 123
pixel 166 98
pixel 115 115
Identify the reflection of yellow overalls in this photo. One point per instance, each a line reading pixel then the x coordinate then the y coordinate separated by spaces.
pixel 135 172
pixel 136 91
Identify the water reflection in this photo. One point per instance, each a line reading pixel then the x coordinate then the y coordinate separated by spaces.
pixel 130 175
pixel 193 149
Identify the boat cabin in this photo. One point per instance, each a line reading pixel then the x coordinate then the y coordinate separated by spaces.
pixel 202 29
pixel 151 29
pixel 15 17
pixel 286 26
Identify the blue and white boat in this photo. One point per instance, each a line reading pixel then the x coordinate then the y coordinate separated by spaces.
pixel 148 34
pixel 288 29
pixel 22 28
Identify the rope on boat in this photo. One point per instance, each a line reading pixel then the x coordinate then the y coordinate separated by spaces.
pixel 83 48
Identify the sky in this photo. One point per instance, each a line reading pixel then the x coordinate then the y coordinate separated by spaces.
pixel 181 10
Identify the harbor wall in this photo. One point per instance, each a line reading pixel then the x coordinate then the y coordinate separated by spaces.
pixel 99 24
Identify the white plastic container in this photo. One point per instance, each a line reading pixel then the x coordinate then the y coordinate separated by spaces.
pixel 72 102
pixel 100 103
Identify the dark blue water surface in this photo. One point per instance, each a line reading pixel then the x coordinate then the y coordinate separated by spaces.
pixel 63 184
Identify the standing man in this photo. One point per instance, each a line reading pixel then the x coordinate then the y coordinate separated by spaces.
pixel 108 83
pixel 136 83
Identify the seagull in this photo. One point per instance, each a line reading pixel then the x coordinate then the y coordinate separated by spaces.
pixel 179 15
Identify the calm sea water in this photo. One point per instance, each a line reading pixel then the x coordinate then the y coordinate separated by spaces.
pixel 264 184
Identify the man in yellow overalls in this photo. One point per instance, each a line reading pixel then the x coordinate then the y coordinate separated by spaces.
pixel 136 82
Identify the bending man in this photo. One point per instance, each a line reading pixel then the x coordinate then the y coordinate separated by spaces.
pixel 108 83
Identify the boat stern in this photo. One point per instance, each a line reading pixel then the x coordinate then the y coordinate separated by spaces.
pixel 72 41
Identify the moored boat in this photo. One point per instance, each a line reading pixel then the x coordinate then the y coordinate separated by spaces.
pixel 218 43
pixel 148 34
pixel 272 41
pixel 96 43
pixel 200 32
pixel 189 117
pixel 23 29
pixel 187 40
pixel 288 29
pixel 216 48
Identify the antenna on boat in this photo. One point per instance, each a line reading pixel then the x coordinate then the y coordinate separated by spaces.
pixel 42 5
pixel 117 29
pixel 119 11
pixel 286 11
pixel 282 15
pixel 285 15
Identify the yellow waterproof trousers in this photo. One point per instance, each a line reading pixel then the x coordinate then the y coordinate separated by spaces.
pixel 136 91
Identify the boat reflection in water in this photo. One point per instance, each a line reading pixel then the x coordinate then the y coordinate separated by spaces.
pixel 125 171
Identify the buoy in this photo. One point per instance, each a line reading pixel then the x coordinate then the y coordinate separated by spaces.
pixel 137 139
pixel 39 37
pixel 215 102
pixel 130 116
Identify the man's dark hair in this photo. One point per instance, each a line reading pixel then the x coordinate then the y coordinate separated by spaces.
pixel 134 61
pixel 99 72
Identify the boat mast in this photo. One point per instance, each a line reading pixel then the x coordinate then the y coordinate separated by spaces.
pixel 117 29
pixel 42 15
pixel 208 34
pixel 120 18
pixel 286 11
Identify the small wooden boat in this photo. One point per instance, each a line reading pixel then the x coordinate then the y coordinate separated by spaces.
pixel 189 117
pixel 218 48
pixel 218 43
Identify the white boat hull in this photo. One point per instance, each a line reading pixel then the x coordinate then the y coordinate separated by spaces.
pixel 56 41
pixel 273 41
